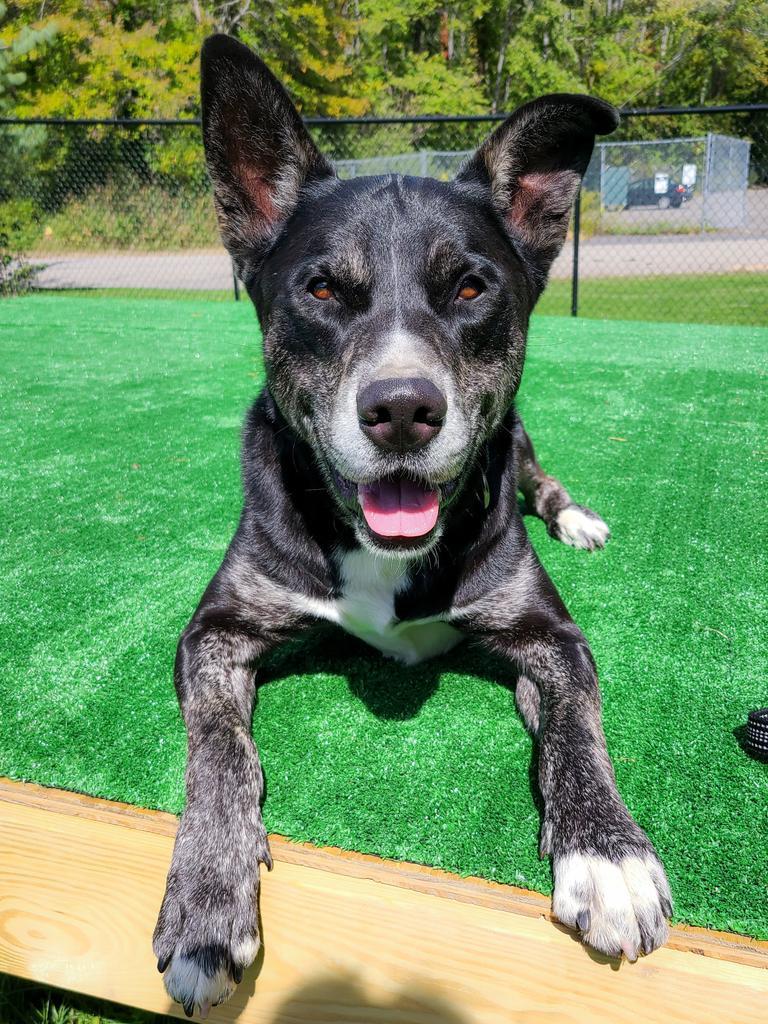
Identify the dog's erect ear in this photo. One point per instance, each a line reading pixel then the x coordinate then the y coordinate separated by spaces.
pixel 534 163
pixel 258 152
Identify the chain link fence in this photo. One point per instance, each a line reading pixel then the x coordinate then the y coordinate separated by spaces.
pixel 671 223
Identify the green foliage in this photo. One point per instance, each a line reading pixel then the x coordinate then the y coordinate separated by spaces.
pixel 591 213
pixel 24 1003
pixel 16 44
pixel 138 58
pixel 49 1012
pixel 130 216
pixel 20 224
pixel 17 276
pixel 95 66
pixel 19 227
pixel 631 52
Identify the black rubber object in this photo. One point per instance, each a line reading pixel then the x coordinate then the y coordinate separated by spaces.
pixel 756 742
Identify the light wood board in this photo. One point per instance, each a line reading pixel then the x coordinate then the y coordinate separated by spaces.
pixel 347 938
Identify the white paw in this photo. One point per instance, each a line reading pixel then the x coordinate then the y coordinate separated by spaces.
pixel 581 528
pixel 618 907
pixel 188 983
pixel 203 980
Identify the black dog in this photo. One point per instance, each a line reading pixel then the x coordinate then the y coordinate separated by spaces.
pixel 381 468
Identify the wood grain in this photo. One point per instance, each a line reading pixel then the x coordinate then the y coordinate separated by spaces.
pixel 418 877
pixel 358 941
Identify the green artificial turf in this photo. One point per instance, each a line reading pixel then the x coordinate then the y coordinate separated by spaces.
pixel 120 435
pixel 739 298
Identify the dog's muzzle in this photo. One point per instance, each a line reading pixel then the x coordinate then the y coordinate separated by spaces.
pixel 401 414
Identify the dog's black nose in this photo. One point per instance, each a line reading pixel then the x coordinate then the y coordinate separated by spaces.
pixel 401 413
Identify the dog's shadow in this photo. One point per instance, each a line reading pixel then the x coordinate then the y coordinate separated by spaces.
pixel 390 690
pixel 343 996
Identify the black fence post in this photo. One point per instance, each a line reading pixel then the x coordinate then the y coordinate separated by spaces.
pixel 575 268
pixel 235 283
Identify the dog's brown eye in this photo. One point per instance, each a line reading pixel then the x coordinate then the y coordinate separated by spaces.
pixel 470 289
pixel 321 290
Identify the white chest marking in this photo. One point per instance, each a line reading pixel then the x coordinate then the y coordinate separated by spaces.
pixel 366 609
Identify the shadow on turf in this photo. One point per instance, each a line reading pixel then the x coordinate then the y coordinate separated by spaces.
pixel 389 690
pixel 396 695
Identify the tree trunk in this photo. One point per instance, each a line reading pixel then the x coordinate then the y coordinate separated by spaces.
pixel 506 33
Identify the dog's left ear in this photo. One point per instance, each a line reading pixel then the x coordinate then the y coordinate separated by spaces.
pixel 259 154
pixel 534 163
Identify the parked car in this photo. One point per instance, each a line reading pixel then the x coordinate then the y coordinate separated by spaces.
pixel 643 193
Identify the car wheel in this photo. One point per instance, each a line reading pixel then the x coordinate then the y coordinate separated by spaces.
pixel 663 202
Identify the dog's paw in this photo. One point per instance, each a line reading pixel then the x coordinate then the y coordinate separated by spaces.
pixel 202 950
pixel 618 907
pixel 580 527
pixel 204 976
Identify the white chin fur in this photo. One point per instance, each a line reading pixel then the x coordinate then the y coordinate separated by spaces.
pixel 581 529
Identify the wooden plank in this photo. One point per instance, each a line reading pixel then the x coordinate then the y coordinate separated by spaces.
pixel 418 877
pixel 78 899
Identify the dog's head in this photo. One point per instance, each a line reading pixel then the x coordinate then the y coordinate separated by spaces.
pixel 394 309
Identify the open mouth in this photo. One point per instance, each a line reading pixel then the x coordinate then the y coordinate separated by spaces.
pixel 398 508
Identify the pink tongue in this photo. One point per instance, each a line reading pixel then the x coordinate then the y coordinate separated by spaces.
pixel 398 508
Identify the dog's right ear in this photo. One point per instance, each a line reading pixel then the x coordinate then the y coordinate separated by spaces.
pixel 258 152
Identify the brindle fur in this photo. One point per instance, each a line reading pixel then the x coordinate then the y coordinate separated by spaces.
pixel 394 248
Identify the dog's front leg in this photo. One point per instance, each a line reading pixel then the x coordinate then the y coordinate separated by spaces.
pixel 608 879
pixel 208 930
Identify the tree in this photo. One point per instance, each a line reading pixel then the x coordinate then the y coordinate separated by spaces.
pixel 138 58
pixel 15 45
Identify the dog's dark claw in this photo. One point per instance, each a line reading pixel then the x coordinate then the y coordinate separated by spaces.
pixel 583 921
pixel 162 963
pixel 666 907
pixel 189 1009
pixel 237 975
